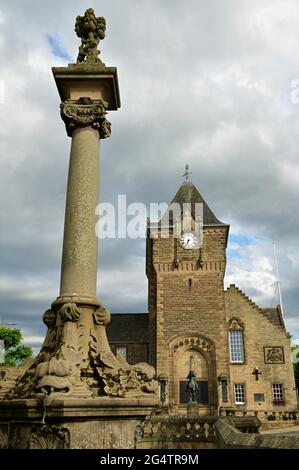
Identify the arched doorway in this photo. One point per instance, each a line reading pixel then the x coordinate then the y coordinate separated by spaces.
pixel 196 360
pixel 202 351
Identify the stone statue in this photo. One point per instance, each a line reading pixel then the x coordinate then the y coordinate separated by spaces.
pixel 192 386
pixel 91 30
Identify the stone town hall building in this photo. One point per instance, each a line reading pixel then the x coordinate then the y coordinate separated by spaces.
pixel 241 352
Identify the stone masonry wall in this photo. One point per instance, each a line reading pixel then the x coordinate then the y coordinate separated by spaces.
pixel 259 332
pixel 189 298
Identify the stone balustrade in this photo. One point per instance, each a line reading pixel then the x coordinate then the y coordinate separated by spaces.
pixel 266 417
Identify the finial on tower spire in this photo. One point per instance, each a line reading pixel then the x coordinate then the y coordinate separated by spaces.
pixel 187 173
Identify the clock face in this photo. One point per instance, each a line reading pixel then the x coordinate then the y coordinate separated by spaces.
pixel 189 240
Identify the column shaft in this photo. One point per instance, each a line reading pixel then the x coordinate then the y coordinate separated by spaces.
pixel 80 244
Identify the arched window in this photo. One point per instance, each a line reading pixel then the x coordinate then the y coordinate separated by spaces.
pixel 236 342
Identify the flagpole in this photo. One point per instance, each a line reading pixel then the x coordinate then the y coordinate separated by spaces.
pixel 278 282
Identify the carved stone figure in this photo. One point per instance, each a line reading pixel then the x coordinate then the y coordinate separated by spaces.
pixel 59 374
pixel 192 386
pixel 91 30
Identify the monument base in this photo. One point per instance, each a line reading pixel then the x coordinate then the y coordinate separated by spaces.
pixel 99 423
pixel 192 410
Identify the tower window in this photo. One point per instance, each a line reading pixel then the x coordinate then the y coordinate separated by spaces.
pixel 190 282
pixel 277 391
pixel 236 345
pixel 239 394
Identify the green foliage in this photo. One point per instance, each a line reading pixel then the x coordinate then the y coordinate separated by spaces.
pixel 11 337
pixel 15 352
pixel 296 365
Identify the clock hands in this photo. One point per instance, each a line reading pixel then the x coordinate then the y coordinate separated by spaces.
pixel 188 240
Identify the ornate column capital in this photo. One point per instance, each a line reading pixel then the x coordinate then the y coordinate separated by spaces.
pixel 85 112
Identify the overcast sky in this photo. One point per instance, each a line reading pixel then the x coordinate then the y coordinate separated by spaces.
pixel 204 82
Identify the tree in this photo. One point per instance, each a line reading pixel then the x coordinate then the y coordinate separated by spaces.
pixel 295 354
pixel 15 351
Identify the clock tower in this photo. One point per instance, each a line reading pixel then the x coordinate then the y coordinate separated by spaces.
pixel 186 302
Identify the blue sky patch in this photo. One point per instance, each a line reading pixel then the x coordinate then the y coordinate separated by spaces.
pixel 57 49
pixel 242 240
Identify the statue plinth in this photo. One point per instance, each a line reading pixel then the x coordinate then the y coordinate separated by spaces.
pixel 192 410
pixel 96 81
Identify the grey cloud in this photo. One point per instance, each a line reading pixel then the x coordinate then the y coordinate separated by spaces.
pixel 207 84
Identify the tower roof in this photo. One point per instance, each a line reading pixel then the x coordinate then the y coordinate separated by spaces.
pixel 189 194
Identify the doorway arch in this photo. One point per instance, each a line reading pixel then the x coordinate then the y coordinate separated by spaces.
pixel 203 350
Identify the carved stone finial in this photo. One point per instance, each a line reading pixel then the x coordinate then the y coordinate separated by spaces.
pixel 91 30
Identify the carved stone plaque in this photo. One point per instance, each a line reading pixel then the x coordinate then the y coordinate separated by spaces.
pixel 274 355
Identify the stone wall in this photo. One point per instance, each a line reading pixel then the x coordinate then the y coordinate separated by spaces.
pixel 259 332
pixel 136 352
pixel 228 437
pixel 67 423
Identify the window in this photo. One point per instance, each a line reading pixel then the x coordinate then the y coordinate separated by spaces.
pixel 239 394
pixel 277 392
pixel 259 397
pixel 122 350
pixel 236 346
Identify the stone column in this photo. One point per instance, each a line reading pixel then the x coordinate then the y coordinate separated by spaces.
pixel 75 360
pixel 86 124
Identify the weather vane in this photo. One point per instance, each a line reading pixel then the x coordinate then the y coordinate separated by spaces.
pixel 187 173
pixel 91 30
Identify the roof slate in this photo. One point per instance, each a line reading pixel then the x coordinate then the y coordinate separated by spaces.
pixel 128 327
pixel 188 193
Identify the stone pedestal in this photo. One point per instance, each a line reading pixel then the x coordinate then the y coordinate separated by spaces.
pixel 101 423
pixel 192 410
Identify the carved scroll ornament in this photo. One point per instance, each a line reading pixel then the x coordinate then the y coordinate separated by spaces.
pixel 86 112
